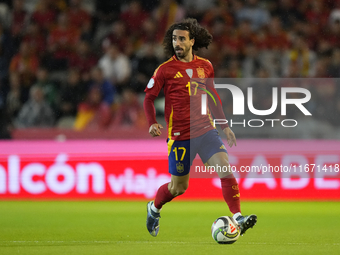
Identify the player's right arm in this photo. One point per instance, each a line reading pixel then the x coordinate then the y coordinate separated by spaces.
pixel 150 114
pixel 152 90
pixel 155 129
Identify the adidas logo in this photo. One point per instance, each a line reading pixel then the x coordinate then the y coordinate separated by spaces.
pixel 178 75
pixel 222 147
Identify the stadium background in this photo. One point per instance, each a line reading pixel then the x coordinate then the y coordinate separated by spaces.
pixel 74 132
pixel 52 90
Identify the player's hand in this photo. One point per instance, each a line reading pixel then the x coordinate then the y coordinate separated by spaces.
pixel 231 139
pixel 155 129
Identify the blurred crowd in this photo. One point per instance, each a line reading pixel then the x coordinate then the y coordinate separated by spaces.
pixel 84 64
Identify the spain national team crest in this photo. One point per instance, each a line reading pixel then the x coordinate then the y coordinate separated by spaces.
pixel 234 187
pixel 180 167
pixel 200 72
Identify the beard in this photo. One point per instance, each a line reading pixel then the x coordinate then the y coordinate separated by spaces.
pixel 182 53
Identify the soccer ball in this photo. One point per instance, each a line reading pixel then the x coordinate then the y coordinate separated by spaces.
pixel 225 230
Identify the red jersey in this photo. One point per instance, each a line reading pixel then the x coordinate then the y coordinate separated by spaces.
pixel 65 40
pixel 181 95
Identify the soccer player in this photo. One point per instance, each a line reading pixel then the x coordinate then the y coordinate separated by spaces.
pixel 185 129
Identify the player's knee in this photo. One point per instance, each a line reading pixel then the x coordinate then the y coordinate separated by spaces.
pixel 223 170
pixel 179 189
pixel 182 189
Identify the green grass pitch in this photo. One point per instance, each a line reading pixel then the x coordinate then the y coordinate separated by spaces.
pixel 111 227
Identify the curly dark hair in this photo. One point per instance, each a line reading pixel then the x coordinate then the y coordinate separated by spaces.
pixel 201 35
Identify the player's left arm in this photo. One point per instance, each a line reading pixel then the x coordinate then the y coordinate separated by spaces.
pixel 217 110
pixel 231 138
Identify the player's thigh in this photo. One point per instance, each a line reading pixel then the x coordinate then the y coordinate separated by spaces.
pixel 209 144
pixel 220 158
pixel 220 161
pixel 213 152
pixel 179 157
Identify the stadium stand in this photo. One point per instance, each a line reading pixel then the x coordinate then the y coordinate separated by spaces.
pixel 54 45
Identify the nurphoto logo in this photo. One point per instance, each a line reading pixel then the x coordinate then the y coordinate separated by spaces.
pixel 238 99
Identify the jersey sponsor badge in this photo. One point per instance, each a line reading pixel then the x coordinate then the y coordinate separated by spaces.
pixel 151 83
pixel 200 72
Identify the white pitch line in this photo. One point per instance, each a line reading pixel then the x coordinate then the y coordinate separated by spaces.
pixel 138 242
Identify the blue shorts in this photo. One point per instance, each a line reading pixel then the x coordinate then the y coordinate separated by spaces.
pixel 182 153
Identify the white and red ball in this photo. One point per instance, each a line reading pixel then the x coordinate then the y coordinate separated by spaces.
pixel 225 230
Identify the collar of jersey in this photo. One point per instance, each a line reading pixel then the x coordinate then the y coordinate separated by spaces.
pixel 175 58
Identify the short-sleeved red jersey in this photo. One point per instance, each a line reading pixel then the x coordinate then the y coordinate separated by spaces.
pixel 174 77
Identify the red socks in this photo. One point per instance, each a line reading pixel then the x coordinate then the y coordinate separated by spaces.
pixel 231 194
pixel 163 196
